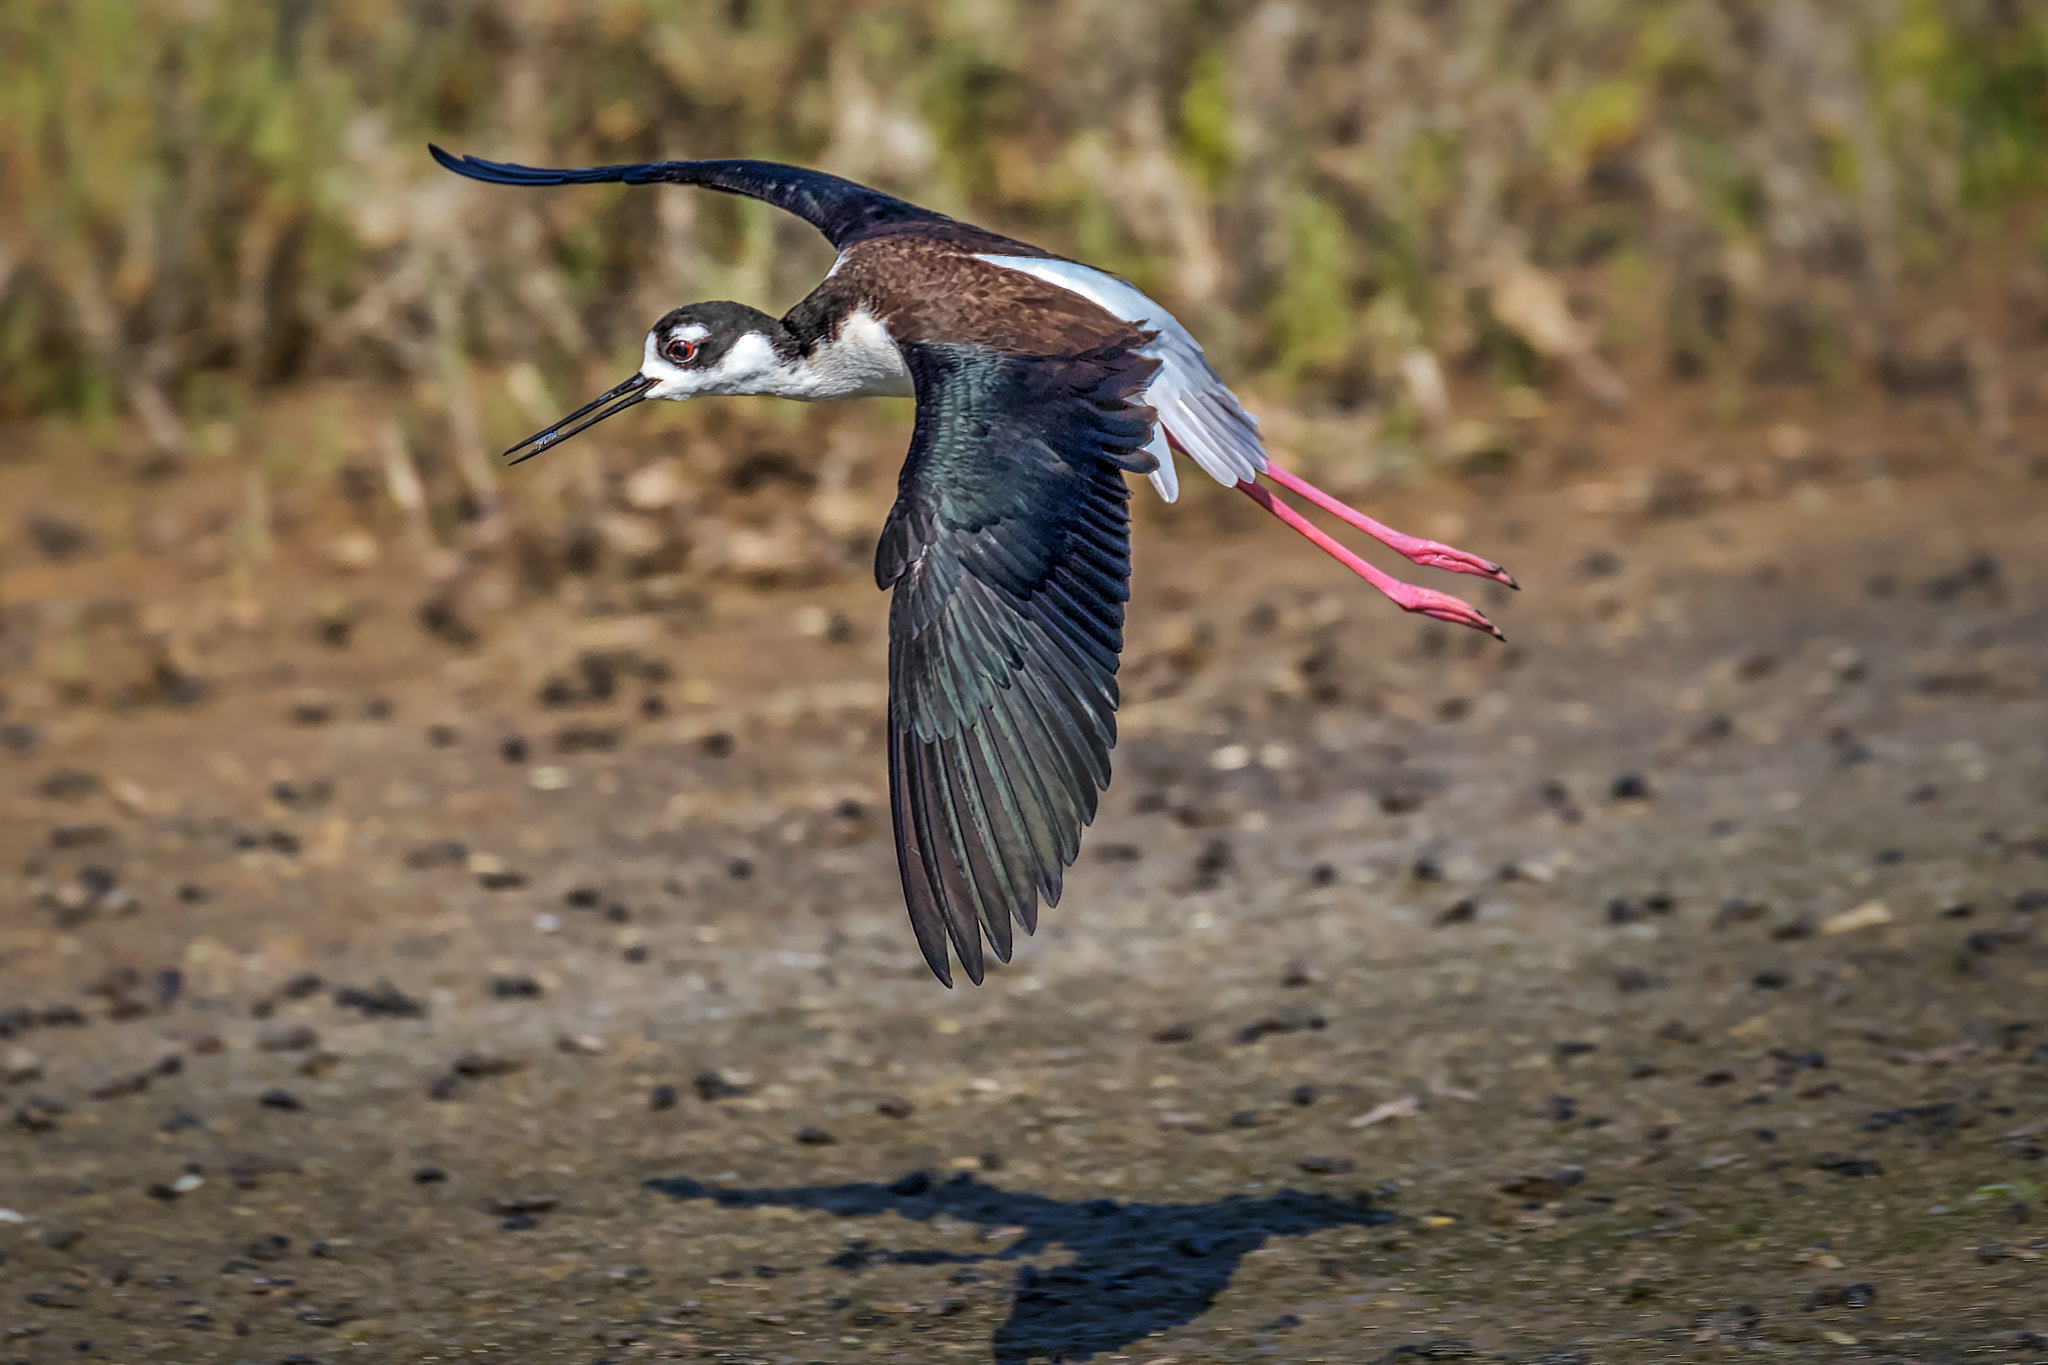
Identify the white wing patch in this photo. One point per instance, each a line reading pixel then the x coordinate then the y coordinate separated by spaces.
pixel 1197 414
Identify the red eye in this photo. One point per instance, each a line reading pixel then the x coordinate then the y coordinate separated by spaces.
pixel 679 351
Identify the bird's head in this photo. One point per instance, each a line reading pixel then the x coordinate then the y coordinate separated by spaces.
pixel 701 348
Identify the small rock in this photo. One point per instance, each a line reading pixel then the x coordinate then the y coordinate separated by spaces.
pixel 1868 915
pixel 894 1107
pixel 70 784
pixel 719 1084
pixel 1545 1186
pixel 812 1136
pixel 381 1000
pixel 271 1248
pixel 514 1204
pixel 1462 912
pixel 479 1066
pixel 297 1038
pixel 280 1099
pixel 1630 787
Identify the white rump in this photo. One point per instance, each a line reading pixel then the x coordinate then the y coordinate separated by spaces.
pixel 1197 413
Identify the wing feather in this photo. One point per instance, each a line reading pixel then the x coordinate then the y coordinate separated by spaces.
pixel 1008 554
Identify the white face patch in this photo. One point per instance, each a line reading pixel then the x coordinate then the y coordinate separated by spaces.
pixel 748 366
pixel 861 361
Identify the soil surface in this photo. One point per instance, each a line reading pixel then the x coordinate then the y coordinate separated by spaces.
pixel 1668 984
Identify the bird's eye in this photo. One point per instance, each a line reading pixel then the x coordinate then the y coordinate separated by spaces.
pixel 679 351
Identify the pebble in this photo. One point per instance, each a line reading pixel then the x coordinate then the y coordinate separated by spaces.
pixel 513 749
pixel 382 1000
pixel 69 784
pixel 586 739
pixel 301 985
pixel 271 1248
pixel 516 987
pixel 280 1099
pixel 440 853
pixel 1630 787
pixel 516 1204
pixel 894 1107
pixel 310 714
pixel 661 1097
pixel 298 1038
pixel 1545 1185
pixel 812 1136
pixel 477 1065
pixel 1868 915
pixel 720 1085
pixel 429 1175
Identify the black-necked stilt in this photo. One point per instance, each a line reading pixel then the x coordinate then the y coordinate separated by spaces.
pixel 1039 384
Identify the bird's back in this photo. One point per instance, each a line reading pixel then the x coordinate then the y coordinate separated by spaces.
pixel 928 287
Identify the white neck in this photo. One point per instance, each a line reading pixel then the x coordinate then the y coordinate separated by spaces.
pixel 859 362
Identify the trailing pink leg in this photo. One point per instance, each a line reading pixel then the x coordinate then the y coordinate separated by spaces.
pixel 1406 596
pixel 1429 553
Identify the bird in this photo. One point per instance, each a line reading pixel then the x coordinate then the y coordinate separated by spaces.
pixel 1039 384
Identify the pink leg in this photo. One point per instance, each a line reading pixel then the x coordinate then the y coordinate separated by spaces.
pixel 1406 596
pixel 1429 553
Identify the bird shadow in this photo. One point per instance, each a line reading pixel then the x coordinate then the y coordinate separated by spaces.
pixel 1136 1269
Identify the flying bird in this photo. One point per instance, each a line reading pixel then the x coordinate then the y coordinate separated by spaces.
pixel 1039 384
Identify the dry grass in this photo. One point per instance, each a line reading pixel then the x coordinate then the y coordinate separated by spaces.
pixel 199 201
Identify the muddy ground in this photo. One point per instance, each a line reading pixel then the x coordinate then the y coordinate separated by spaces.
pixel 1670 984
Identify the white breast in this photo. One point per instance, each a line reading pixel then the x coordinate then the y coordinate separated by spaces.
pixel 859 361
pixel 1197 413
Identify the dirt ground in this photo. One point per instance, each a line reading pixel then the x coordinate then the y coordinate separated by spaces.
pixel 1670 984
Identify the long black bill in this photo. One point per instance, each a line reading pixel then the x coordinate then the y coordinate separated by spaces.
pixel 633 391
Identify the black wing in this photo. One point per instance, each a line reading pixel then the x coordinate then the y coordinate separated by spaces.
pixel 844 211
pixel 1009 552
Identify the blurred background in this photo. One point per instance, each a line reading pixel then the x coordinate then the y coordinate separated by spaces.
pixel 387 837
pixel 1404 223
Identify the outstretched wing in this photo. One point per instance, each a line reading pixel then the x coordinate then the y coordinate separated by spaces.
pixel 844 211
pixel 1009 552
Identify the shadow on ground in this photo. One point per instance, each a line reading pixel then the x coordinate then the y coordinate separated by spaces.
pixel 1137 1268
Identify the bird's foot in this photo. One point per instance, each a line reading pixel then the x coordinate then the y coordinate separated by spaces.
pixel 1433 554
pixel 1406 596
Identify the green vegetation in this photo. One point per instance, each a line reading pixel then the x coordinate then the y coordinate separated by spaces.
pixel 197 198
